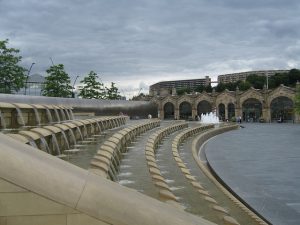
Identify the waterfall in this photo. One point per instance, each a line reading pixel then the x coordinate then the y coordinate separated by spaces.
pixel 45 145
pixel 85 132
pixel 49 115
pixel 68 114
pixel 72 115
pixel 98 127
pixel 37 116
pixel 79 131
pixel 57 115
pixel 3 123
pixel 55 143
pixel 20 115
pixel 72 135
pixel 32 143
pixel 66 139
pixel 63 115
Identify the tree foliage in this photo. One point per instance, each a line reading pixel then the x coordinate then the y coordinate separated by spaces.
pixel 244 85
pixel 183 90
pixel 256 81
pixel 57 82
pixel 12 76
pixel 92 89
pixel 297 100
pixel 112 92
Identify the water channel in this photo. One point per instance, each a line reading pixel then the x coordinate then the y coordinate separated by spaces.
pixel 261 163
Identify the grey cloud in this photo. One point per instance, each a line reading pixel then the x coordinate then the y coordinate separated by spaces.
pixel 151 40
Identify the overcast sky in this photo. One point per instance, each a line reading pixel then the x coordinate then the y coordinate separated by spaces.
pixel 136 43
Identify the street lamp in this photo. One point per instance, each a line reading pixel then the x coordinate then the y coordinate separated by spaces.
pixel 28 76
pixel 73 87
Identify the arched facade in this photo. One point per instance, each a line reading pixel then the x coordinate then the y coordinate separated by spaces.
pixel 252 105
pixel 169 111
pixel 282 109
pixel 252 110
pixel 204 107
pixel 185 111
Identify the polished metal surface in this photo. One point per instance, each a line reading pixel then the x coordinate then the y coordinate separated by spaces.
pixel 134 109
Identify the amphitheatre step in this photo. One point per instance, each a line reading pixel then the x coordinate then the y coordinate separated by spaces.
pixel 214 198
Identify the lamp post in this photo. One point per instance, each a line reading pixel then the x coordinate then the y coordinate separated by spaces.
pixel 28 77
pixel 73 87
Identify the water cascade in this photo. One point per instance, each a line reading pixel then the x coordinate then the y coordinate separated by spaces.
pixel 71 114
pixel 209 118
pixel 45 146
pixel 49 115
pixel 20 115
pixel 68 114
pixel 79 131
pixel 55 143
pixel 98 127
pixel 37 116
pixel 73 136
pixel 63 115
pixel 57 115
pixel 32 143
pixel 66 139
pixel 3 123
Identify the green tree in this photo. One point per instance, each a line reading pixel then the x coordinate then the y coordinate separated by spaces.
pixel 294 76
pixel 297 100
pixel 220 87
pixel 57 82
pixel 244 86
pixel 278 79
pixel 12 76
pixel 256 81
pixel 112 92
pixel 208 88
pixel 92 88
pixel 200 88
pixel 183 90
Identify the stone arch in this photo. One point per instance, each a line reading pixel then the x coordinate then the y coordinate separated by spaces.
pixel 251 94
pixel 281 91
pixel 230 110
pixel 203 107
pixel 282 109
pixel 169 110
pixel 252 110
pixel 225 98
pixel 221 111
pixel 185 110
pixel 184 98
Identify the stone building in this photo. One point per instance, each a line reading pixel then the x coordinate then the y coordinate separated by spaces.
pixel 252 105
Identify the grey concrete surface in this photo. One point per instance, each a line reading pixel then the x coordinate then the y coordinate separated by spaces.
pixel 261 163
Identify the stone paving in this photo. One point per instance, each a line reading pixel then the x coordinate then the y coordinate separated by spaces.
pixel 261 163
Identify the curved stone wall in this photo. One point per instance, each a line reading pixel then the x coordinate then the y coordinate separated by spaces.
pixel 219 211
pixel 58 139
pixel 165 193
pixel 107 160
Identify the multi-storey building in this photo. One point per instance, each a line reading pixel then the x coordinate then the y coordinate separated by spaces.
pixel 234 77
pixel 168 85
